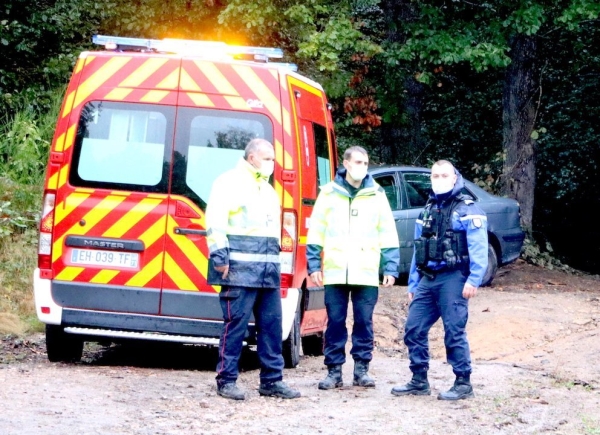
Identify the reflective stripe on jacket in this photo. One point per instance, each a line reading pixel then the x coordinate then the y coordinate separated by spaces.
pixel 467 217
pixel 243 221
pixel 356 235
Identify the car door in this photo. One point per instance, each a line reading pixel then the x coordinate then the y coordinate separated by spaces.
pixel 415 188
pixel 390 183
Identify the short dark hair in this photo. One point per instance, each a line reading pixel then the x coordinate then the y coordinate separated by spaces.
pixel 354 149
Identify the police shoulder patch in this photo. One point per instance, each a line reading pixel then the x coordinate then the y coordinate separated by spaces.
pixel 477 222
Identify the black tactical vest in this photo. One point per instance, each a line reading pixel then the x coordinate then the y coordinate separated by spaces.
pixel 438 241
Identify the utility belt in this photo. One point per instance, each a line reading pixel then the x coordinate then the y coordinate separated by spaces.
pixel 452 249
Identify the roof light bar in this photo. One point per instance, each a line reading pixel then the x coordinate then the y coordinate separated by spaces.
pixel 187 46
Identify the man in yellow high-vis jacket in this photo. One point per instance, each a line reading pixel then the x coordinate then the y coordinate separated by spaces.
pixel 243 221
pixel 352 236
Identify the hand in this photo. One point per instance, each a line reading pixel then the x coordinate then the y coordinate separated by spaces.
pixel 317 278
pixel 388 280
pixel 411 296
pixel 223 269
pixel 469 291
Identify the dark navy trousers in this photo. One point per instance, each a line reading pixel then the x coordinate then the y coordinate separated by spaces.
pixel 435 298
pixel 364 299
pixel 238 304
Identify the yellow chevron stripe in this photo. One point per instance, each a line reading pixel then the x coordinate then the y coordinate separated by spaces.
pixel 142 73
pixel 270 100
pixel 53 181
pixel 289 164
pixel 288 201
pixel 118 94
pixel 287 125
pixel 60 143
pixel 79 64
pixel 278 188
pixel 151 269
pixel 187 83
pixel 62 176
pixel 275 74
pixel 96 80
pixel 70 137
pixel 216 78
pixel 68 104
pixel 132 217
pixel 155 232
pixel 154 96
pixel 104 276
pixel 171 81
pixel 278 153
pixel 188 247
pixel 237 103
pixel 69 273
pixel 181 280
pixel 92 217
pixel 201 100
pixel 70 203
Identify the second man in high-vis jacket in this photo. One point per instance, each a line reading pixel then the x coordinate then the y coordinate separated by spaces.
pixel 351 238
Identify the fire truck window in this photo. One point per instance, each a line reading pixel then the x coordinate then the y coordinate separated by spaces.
pixel 122 146
pixel 210 142
pixel 323 156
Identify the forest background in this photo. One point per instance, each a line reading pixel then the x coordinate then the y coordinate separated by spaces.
pixel 507 90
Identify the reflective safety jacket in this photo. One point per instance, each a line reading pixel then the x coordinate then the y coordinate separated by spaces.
pixel 357 235
pixel 466 217
pixel 243 221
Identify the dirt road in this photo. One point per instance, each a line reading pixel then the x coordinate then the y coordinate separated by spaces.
pixel 535 338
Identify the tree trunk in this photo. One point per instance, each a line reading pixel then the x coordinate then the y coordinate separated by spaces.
pixel 520 102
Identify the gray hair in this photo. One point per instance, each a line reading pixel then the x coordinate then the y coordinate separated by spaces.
pixel 354 149
pixel 254 145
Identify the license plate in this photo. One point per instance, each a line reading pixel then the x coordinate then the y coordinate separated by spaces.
pixel 105 258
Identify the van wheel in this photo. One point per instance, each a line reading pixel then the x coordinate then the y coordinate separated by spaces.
pixel 62 347
pixel 291 346
pixel 313 345
pixel 492 268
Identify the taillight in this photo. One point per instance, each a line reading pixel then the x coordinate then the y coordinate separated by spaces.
pixel 46 226
pixel 288 246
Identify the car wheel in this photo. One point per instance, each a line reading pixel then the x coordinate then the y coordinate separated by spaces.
pixel 291 346
pixel 492 268
pixel 62 347
pixel 313 345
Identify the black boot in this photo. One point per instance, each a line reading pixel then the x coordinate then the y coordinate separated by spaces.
pixel 418 386
pixel 278 389
pixel 361 375
pixel 462 389
pixel 333 379
pixel 230 390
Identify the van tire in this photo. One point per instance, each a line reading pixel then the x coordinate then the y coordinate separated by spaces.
pixel 313 345
pixel 62 347
pixel 291 345
pixel 492 268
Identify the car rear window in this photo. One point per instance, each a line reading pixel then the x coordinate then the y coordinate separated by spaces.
pixel 123 146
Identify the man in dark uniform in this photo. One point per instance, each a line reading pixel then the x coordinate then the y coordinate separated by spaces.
pixel 244 230
pixel 450 260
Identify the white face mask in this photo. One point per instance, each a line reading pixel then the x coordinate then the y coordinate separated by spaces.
pixel 266 168
pixel 357 173
pixel 442 185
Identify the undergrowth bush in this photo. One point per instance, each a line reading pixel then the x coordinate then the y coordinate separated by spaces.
pixel 24 144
